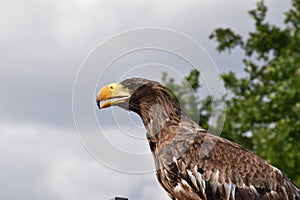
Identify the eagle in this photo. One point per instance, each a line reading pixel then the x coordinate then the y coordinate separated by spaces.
pixel 190 162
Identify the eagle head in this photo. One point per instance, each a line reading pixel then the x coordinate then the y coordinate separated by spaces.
pixel 127 94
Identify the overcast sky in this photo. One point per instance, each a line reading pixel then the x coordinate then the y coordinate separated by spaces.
pixel 42 45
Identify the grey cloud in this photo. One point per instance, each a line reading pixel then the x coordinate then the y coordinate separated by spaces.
pixel 44 163
pixel 44 43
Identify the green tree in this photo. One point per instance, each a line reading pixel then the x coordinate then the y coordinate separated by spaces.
pixel 263 107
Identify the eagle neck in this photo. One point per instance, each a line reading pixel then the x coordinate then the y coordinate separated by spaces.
pixel 158 114
pixel 156 107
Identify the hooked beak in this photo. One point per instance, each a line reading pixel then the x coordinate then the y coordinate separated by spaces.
pixel 112 94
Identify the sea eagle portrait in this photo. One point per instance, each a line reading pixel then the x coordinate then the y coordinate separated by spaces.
pixel 192 164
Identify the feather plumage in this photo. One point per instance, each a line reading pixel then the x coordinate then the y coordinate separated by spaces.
pixel 194 164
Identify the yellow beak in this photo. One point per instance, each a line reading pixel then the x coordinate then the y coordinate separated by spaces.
pixel 114 92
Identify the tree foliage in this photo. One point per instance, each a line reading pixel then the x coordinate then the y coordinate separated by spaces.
pixel 263 107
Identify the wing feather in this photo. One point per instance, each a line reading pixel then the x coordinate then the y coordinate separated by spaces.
pixel 252 179
pixel 215 168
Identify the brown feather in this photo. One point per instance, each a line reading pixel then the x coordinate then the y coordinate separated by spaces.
pixel 193 164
